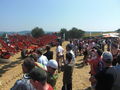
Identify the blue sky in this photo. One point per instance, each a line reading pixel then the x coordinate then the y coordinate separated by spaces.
pixel 52 15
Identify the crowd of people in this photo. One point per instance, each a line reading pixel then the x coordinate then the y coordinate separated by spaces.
pixel 102 54
pixel 40 70
pixel 103 57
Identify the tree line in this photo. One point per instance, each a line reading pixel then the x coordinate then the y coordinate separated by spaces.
pixel 118 30
pixel 73 33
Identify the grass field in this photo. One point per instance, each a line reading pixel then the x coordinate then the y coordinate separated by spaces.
pixel 87 34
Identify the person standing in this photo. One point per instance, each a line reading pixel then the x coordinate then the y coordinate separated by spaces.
pixel 52 66
pixel 39 79
pixel 116 74
pixel 116 52
pixel 69 50
pixel 105 77
pixel 59 56
pixel 42 59
pixel 67 73
pixel 48 54
pixel 24 83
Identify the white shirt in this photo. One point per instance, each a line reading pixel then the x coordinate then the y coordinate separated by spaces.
pixel 60 50
pixel 73 55
pixel 43 60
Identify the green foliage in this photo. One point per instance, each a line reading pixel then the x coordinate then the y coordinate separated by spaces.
pixel 118 30
pixel 37 32
pixel 74 33
pixel 62 32
pixel 3 35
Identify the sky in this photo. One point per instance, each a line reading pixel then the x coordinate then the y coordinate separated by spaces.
pixel 52 15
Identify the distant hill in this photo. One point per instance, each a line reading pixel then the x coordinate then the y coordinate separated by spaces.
pixel 21 32
pixel 24 32
pixel 118 30
pixel 87 33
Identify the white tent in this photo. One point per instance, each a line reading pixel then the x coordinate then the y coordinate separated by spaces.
pixel 110 35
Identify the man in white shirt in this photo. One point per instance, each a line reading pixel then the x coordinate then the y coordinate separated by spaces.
pixel 59 56
pixel 59 50
pixel 42 59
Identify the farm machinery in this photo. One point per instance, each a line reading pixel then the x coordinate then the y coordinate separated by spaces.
pixel 25 44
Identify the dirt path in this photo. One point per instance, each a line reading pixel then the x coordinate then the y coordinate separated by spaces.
pixel 9 73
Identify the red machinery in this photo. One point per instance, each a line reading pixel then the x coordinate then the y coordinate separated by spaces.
pixel 20 42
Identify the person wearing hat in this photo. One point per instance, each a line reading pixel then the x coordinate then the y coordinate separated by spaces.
pixel 42 58
pixel 52 66
pixel 34 56
pixel 104 79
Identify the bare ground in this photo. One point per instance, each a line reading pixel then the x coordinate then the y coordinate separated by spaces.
pixel 12 71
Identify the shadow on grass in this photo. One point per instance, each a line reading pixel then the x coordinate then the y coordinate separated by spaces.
pixel 80 59
pixel 79 65
pixel 89 88
pixel 20 58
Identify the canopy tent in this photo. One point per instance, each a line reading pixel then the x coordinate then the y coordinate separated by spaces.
pixel 110 35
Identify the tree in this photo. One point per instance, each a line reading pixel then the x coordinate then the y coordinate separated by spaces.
pixel 4 35
pixel 37 32
pixel 118 30
pixel 64 32
pixel 75 33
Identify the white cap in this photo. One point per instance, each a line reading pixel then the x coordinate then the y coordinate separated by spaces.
pixel 53 64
